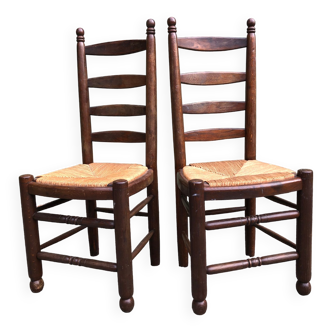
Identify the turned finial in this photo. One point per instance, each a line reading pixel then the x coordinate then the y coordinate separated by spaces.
pixel 171 24
pixel 251 25
pixel 150 23
pixel 80 35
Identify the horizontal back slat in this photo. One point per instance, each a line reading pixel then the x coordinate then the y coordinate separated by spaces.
pixel 211 43
pixel 118 110
pixel 213 107
pixel 212 78
pixel 213 134
pixel 117 81
pixel 118 136
pixel 120 47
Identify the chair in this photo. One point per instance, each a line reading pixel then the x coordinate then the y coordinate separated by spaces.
pixel 234 179
pixel 101 181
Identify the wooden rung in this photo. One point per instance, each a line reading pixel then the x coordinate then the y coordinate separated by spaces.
pixel 186 242
pixel 213 134
pixel 213 107
pixel 212 78
pixel 109 210
pixel 73 220
pixel 62 237
pixel 141 245
pixel 117 81
pixel 211 43
pixel 251 220
pixel 120 47
pixel 251 262
pixel 225 210
pixel 119 136
pixel 118 110
pixel 185 204
pixel 140 206
pixel 282 201
pixel 52 204
pixel 276 236
pixel 91 263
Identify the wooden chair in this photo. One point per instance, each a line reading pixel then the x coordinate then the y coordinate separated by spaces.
pixel 101 181
pixel 240 179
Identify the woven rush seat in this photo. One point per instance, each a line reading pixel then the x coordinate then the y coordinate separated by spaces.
pixel 236 173
pixel 93 175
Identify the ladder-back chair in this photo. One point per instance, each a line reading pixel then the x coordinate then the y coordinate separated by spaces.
pixel 235 179
pixel 101 181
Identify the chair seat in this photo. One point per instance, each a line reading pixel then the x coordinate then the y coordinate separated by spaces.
pixel 236 173
pixel 93 175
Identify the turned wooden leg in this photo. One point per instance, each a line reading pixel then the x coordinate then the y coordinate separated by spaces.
pixel 182 227
pixel 92 231
pixel 31 235
pixel 153 217
pixel 198 246
pixel 123 244
pixel 304 232
pixel 250 231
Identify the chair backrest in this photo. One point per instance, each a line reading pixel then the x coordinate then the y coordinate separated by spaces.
pixel 212 78
pixel 118 82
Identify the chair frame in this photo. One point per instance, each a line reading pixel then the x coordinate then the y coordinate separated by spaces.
pixel 198 192
pixel 119 191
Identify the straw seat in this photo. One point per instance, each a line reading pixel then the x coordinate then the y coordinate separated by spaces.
pixel 236 173
pixel 93 175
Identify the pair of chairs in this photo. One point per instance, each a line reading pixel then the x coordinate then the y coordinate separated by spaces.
pixel 196 183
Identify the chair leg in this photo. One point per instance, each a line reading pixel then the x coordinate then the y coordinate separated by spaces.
pixel 31 235
pixel 92 231
pixel 153 217
pixel 182 227
pixel 198 246
pixel 304 232
pixel 250 231
pixel 123 244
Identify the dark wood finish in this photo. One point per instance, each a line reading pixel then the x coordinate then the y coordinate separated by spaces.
pixel 84 99
pixel 178 136
pixel 198 246
pixel 282 201
pixel 212 78
pixel 51 204
pixel 123 245
pixel 118 110
pixel 141 245
pixel 225 210
pixel 247 192
pixel 251 220
pixel 72 220
pixel 213 107
pixel 91 263
pixel 31 235
pixel 250 117
pixel 92 231
pixel 304 232
pixel 140 206
pixel 213 134
pixel 151 141
pixel 276 236
pixel 119 136
pixel 251 262
pixel 117 81
pixel 120 47
pixel 62 237
pixel 211 43
pixel 250 230
pixel 119 191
